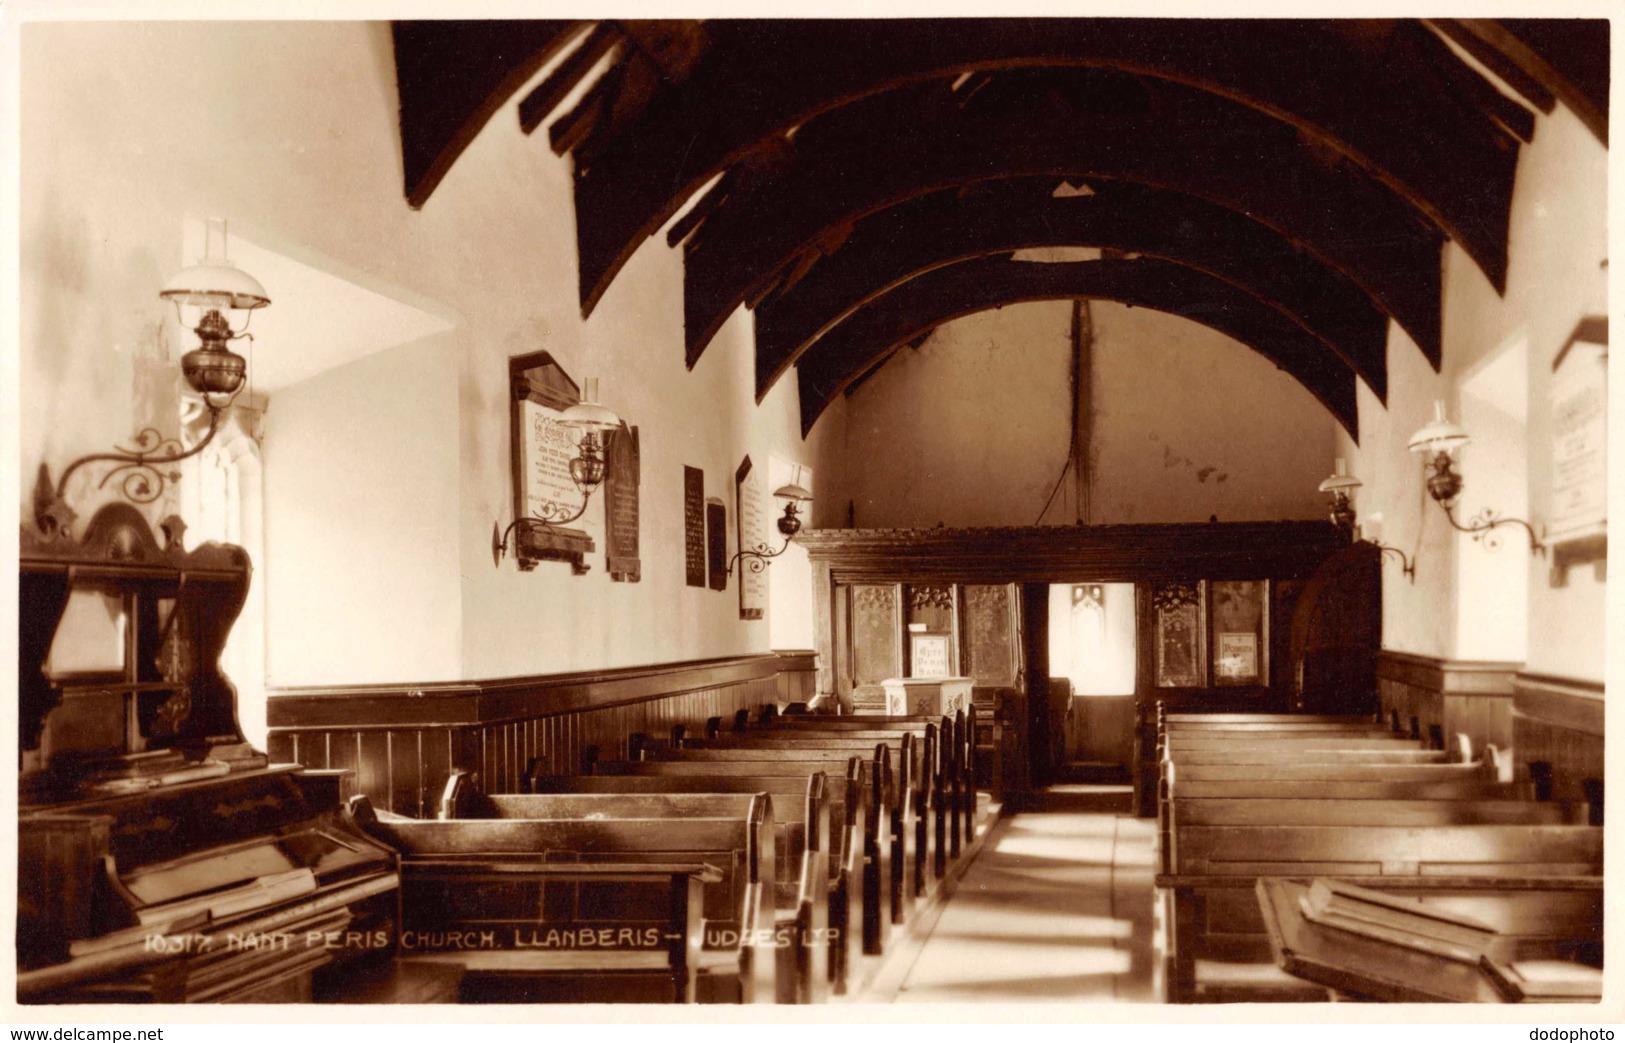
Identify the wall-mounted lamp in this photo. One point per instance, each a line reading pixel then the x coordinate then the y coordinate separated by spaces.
pixel 208 297
pixel 1439 438
pixel 592 421
pixel 756 559
pixel 1342 486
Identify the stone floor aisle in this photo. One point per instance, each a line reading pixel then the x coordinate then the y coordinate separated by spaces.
pixel 1058 907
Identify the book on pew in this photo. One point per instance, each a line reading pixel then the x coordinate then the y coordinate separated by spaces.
pixel 1546 981
pixel 1396 920
pixel 255 894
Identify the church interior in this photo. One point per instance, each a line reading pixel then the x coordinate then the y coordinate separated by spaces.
pixel 1165 564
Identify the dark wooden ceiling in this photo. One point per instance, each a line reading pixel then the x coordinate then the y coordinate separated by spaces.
pixel 1290 183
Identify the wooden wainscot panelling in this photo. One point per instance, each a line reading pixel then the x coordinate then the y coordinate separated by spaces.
pixel 400 742
pixel 1557 736
pixel 1436 699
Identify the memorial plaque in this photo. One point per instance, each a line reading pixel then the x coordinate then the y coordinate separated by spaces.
pixel 694 525
pixel 621 506
pixel 716 543
pixel 751 494
pixel 541 448
pixel 1579 398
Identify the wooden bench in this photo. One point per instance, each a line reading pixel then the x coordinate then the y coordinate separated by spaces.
pixel 940 821
pixel 924 778
pixel 1217 940
pixel 583 911
pixel 893 794
pixel 957 736
pixel 875 786
pixel 823 861
pixel 840 801
pixel 801 842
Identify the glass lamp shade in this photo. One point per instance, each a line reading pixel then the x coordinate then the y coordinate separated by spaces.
pixel 1438 435
pixel 794 493
pixel 1340 481
pixel 588 415
pixel 215 284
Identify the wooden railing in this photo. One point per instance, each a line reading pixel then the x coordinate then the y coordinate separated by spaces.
pixel 401 742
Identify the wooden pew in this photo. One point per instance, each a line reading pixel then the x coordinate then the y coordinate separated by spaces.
pixel 1216 928
pixel 943 767
pixel 875 786
pixel 893 794
pixel 959 754
pixel 584 911
pixel 801 841
pixel 925 778
pixel 845 813
pixel 1185 742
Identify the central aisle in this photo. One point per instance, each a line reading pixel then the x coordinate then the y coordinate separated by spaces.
pixel 1057 907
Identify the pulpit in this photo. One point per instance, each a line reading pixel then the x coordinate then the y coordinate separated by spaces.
pixel 927 696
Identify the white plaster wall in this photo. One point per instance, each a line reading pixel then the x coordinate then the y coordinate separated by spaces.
pixel 361 522
pixel 973 427
pixel 1190 424
pixel 1558 242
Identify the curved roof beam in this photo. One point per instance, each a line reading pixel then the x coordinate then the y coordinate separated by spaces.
pixel 1188 143
pixel 1363 88
pixel 916 307
pixel 453 76
pixel 889 248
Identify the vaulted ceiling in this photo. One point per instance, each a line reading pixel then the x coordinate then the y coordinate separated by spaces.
pixel 1288 183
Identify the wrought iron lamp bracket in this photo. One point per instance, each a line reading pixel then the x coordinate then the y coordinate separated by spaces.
pixel 140 464
pixel 1407 564
pixel 1482 527
pixel 756 559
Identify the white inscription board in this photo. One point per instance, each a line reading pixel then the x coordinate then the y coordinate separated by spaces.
pixel 545 454
pixel 1579 398
pixel 752 533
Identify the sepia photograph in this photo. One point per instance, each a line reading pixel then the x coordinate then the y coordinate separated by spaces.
pixel 1072 515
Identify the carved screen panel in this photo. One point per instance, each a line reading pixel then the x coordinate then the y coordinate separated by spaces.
pixel 1179 634
pixel 930 619
pixel 876 634
pixel 1240 632
pixel 990 642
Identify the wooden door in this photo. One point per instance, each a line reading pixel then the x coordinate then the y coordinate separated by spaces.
pixel 1336 632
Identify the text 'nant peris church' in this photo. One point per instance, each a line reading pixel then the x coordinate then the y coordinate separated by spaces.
pixel 812 511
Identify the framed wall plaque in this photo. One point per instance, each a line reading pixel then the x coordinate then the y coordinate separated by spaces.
pixel 1577 529
pixel 750 495
pixel 540 451
pixel 694 526
pixel 621 510
pixel 716 543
